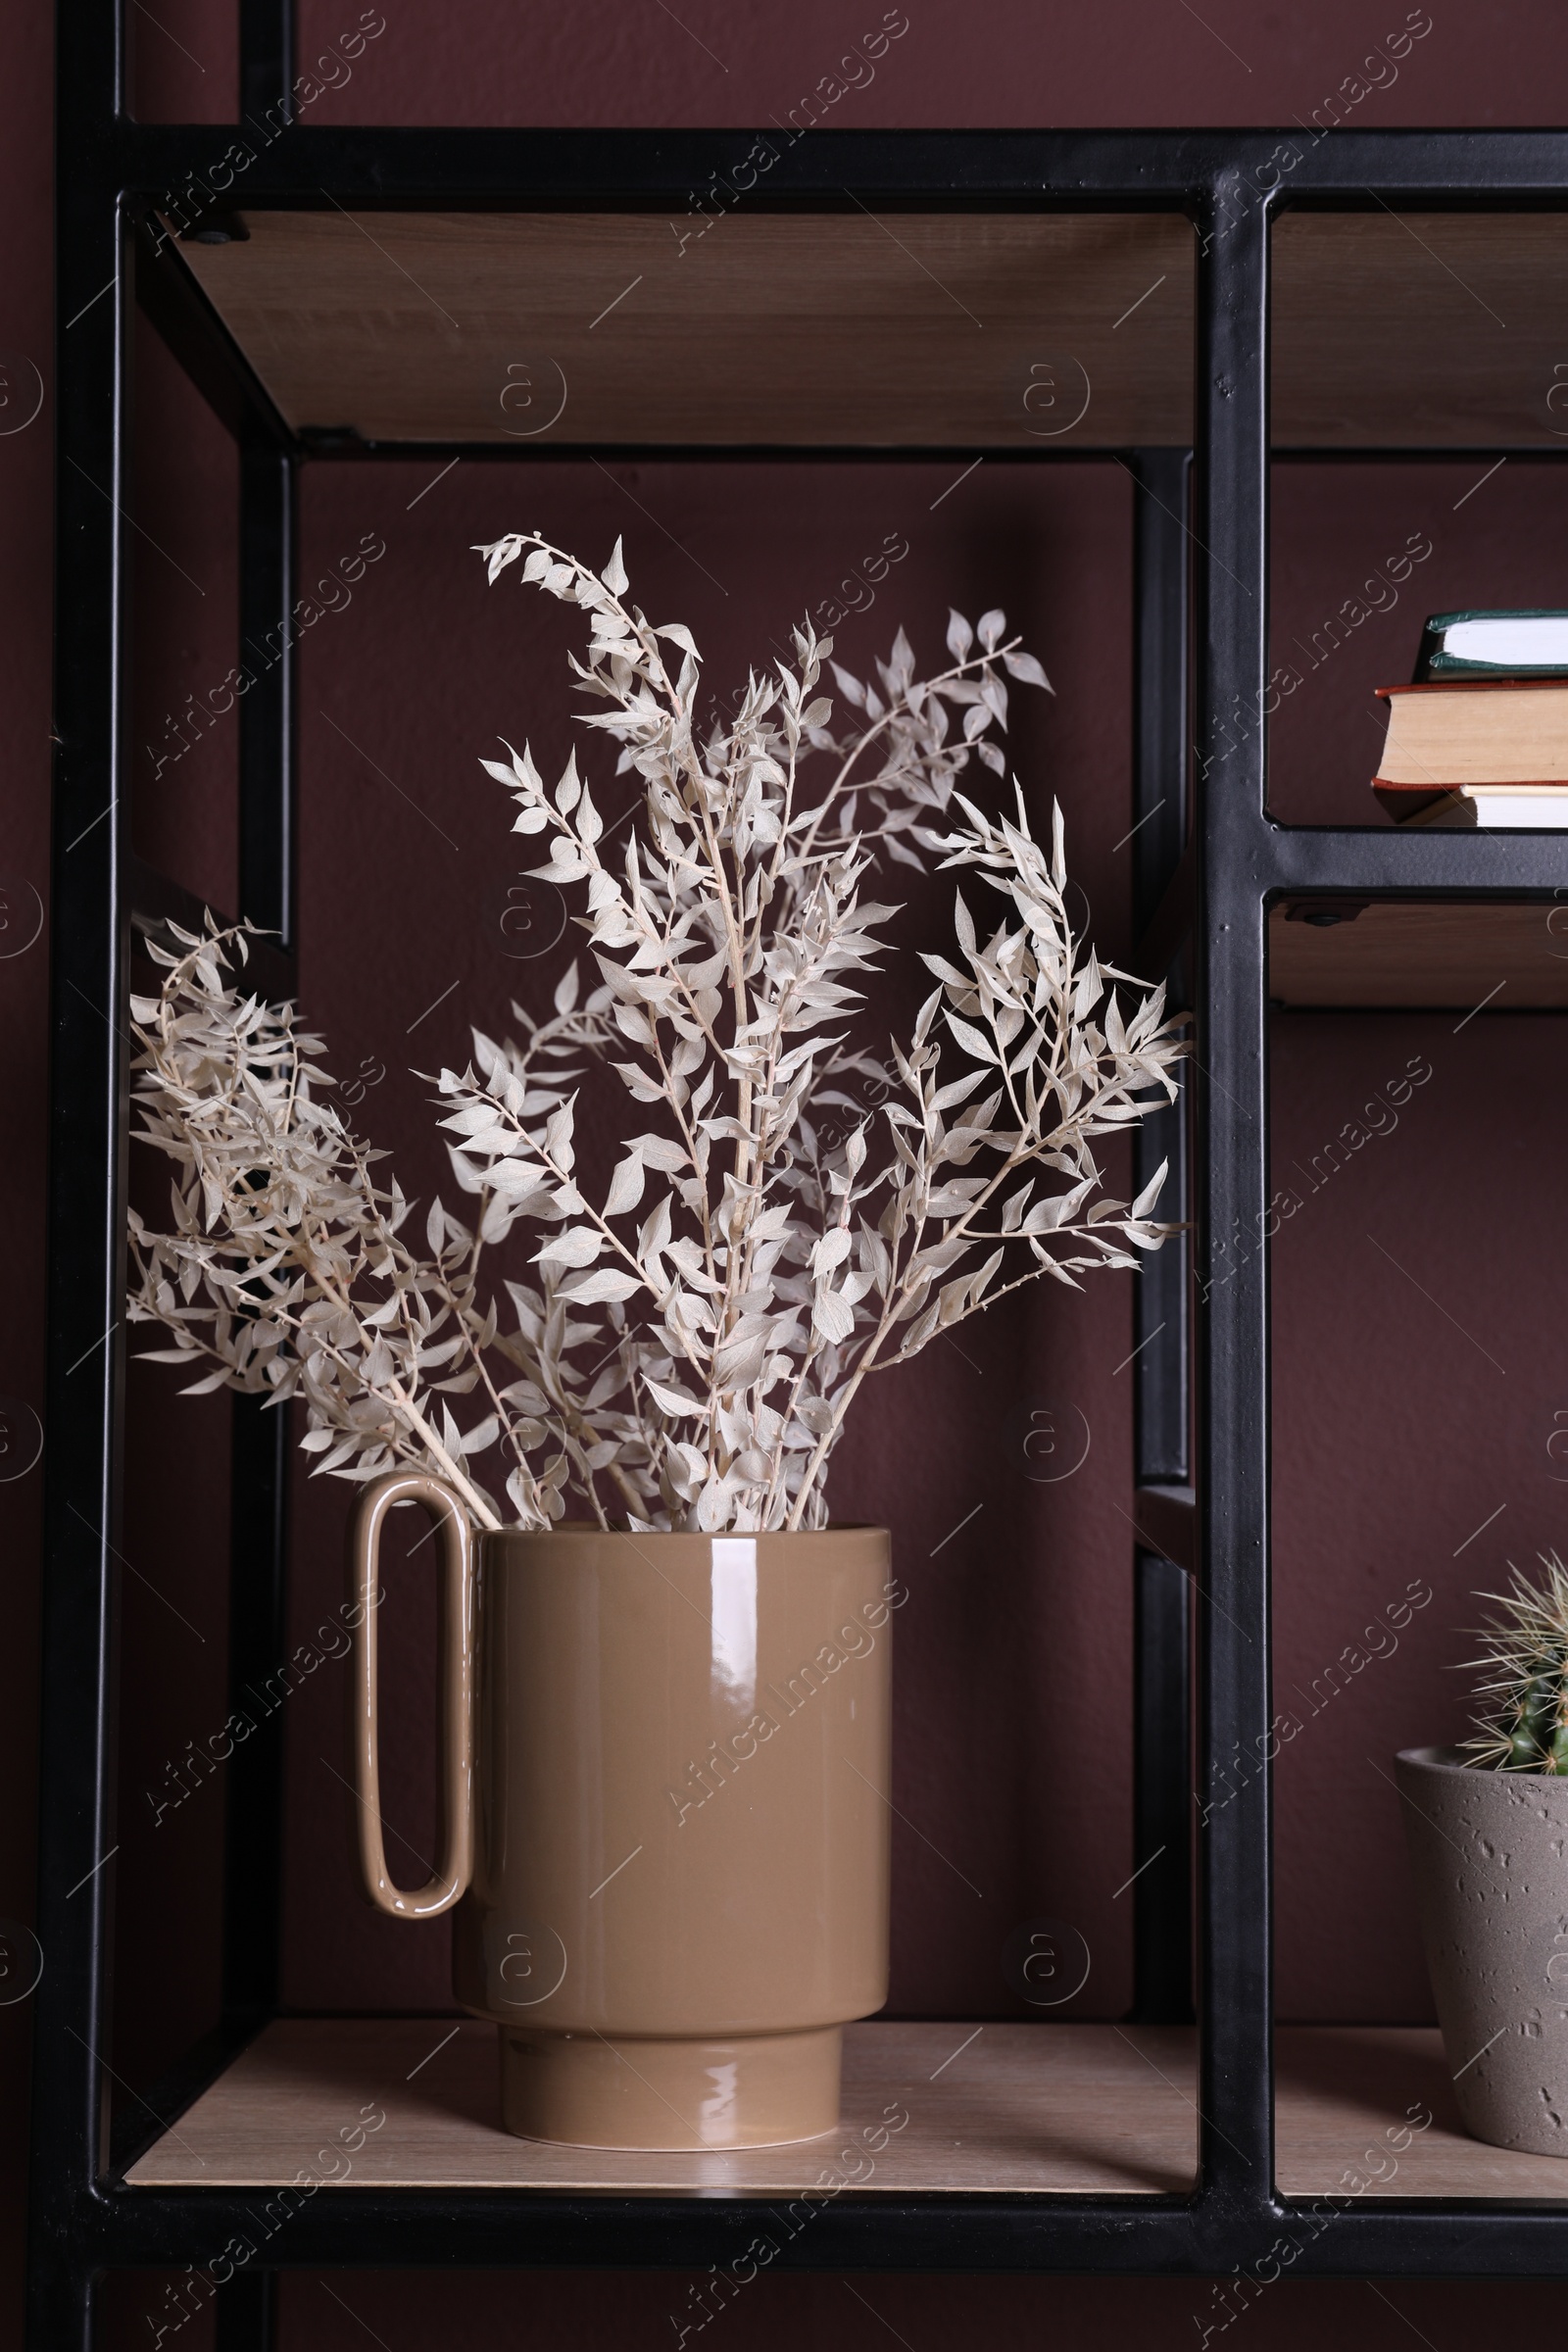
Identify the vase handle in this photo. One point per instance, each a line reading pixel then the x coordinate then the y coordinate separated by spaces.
pixel 455 1860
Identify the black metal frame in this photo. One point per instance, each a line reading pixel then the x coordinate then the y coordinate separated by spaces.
pixel 112 171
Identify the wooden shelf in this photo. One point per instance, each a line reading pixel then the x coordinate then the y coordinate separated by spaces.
pixel 1086 2108
pixel 788 328
pixel 1382 337
pixel 1017 330
pixel 1048 2108
pixel 1457 956
pixel 1341 2090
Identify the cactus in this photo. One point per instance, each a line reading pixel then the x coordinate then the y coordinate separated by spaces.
pixel 1523 1722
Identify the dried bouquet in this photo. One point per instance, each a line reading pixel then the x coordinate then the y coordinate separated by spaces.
pixel 678 1350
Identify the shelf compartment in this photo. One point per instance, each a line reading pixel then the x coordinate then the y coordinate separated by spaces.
pixel 1439 953
pixel 1081 2108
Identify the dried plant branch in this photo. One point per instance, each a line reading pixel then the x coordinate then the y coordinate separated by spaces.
pixel 688 1348
pixel 286 1271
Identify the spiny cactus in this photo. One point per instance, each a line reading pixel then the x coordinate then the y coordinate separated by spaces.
pixel 1523 1723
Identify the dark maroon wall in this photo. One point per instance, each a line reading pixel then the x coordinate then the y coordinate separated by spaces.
pixel 1116 63
pixel 184 566
pixel 1417 1294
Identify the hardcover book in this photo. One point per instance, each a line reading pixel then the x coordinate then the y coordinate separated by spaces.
pixel 1475 751
pixel 1523 644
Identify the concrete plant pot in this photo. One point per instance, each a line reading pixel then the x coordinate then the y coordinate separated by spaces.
pixel 1490 1854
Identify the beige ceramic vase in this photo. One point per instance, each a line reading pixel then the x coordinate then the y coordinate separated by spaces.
pixel 665 1809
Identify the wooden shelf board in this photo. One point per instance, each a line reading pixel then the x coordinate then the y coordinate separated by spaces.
pixel 1341 2090
pixel 1417 330
pixel 1444 954
pixel 992 330
pixel 980 331
pixel 1086 2108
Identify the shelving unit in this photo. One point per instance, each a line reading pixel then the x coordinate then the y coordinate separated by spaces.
pixel 1140 2149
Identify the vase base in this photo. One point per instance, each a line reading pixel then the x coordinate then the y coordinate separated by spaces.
pixel 746 2090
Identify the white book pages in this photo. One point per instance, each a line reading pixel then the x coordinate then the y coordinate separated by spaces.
pixel 1498 812
pixel 1510 641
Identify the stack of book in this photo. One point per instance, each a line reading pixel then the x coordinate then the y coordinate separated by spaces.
pixel 1481 738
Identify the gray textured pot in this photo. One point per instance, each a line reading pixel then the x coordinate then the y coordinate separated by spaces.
pixel 1490 1853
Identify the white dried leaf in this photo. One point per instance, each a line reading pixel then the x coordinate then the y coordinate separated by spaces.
pixel 1024 665
pixel 832 1315
pixel 605 1283
pixel 578 1245
pixel 625 1186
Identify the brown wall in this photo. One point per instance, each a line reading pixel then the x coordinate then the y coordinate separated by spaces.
pixel 1414 1303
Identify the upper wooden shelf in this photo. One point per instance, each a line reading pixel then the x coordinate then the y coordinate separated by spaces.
pixel 1051 2108
pixel 773 327
pixel 1418 330
pixel 1481 955
pixel 1008 332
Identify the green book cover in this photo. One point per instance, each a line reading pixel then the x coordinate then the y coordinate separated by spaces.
pixel 1510 635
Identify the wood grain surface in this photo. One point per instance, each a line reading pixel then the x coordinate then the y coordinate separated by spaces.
pixel 1435 952
pixel 1346 2097
pixel 999 2107
pixel 1023 331
pixel 1418 330
pixel 1017 330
